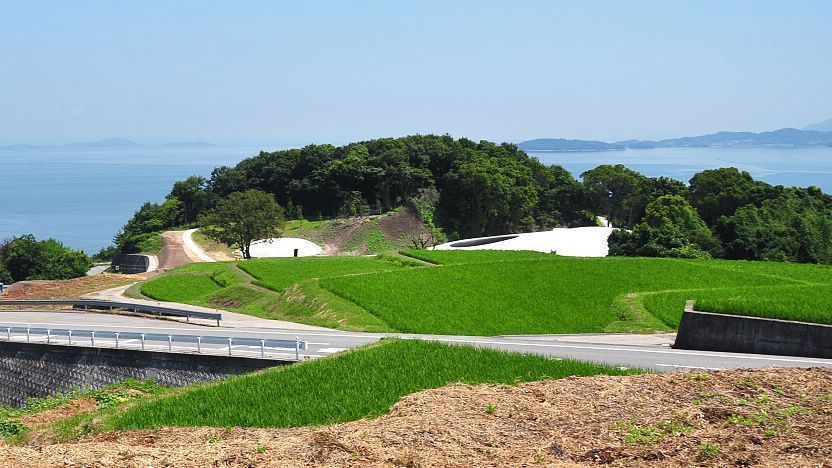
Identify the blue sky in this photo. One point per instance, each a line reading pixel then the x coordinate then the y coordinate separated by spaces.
pixel 298 72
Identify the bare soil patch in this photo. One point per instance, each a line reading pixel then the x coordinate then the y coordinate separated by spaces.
pixel 341 233
pixel 774 417
pixel 67 410
pixel 173 252
pixel 400 225
pixel 66 289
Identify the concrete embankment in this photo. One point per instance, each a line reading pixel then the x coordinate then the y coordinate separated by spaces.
pixel 36 370
pixel 708 331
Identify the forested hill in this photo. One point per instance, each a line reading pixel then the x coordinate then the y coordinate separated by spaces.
pixel 481 188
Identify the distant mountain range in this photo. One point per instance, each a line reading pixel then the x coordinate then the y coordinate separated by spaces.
pixel 814 135
pixel 821 127
pixel 109 143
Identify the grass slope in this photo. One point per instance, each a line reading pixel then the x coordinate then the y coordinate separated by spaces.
pixel 278 274
pixel 518 293
pixel 356 384
pixel 494 292
pixel 280 289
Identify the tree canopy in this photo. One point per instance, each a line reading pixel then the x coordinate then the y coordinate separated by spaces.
pixel 26 258
pixel 467 189
pixel 242 218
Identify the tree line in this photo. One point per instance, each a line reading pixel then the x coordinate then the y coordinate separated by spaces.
pixel 468 189
pixel 26 258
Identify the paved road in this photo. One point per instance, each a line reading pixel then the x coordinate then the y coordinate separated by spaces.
pixel 641 351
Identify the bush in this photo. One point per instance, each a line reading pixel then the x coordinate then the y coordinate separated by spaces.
pixel 26 258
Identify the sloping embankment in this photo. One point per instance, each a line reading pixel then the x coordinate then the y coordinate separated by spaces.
pixel 780 417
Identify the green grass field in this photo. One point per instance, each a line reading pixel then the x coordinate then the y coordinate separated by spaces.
pixel 278 274
pixel 357 384
pixel 494 293
pixel 489 293
pixel 281 289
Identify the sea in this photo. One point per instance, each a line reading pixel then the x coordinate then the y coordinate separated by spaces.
pixel 83 197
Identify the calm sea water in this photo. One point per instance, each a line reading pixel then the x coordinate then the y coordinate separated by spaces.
pixel 800 167
pixel 82 198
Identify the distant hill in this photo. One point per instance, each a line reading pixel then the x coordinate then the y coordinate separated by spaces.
pixel 562 145
pixel 821 127
pixel 785 137
pixel 109 143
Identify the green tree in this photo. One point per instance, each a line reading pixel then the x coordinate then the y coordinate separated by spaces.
pixel 497 194
pixel 671 228
pixel 30 259
pixel 617 192
pixel 194 196
pixel 720 192
pixel 5 276
pixel 795 227
pixel 242 218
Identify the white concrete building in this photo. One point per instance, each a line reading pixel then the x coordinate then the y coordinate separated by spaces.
pixel 284 247
pixel 569 242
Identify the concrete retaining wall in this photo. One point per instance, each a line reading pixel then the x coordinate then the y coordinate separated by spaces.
pixel 29 370
pixel 130 264
pixel 708 331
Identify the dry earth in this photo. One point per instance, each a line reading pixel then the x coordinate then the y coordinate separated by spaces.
pixel 771 418
pixel 66 289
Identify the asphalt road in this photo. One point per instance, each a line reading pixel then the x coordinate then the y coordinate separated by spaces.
pixel 637 351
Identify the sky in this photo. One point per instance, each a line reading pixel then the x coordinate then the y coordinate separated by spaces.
pixel 296 72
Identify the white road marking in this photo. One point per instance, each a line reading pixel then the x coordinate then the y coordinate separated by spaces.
pixel 689 367
pixel 624 350
pixel 331 350
pixel 520 344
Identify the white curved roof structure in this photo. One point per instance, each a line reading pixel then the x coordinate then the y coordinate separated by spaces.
pixel 284 247
pixel 569 242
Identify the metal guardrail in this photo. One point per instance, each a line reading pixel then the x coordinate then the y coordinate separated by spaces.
pixel 138 308
pixel 142 341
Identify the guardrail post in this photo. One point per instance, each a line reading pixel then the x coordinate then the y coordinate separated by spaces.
pixel 142 341
pixel 28 333
pixel 218 322
pixel 70 336
pixel 116 340
pixel 48 336
pixel 92 338
pixel 262 348
pixel 297 348
pixel 8 333
pixel 199 344
pixel 229 346
pixel 170 343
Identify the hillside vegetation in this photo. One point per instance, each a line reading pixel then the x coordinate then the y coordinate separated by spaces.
pixel 764 417
pixel 345 387
pixel 496 292
pixel 462 188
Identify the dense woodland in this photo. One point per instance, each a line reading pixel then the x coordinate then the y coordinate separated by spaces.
pixel 26 258
pixel 469 188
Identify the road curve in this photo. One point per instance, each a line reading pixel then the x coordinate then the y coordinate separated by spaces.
pixel 633 351
pixel 189 244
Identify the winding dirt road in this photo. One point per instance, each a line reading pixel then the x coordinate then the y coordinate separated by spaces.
pixel 174 252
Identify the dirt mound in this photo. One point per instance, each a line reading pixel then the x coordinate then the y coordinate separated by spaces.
pixel 67 410
pixel 400 224
pixel 66 289
pixel 776 417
